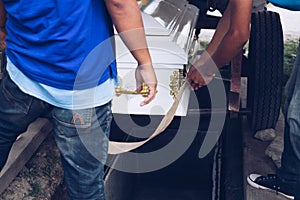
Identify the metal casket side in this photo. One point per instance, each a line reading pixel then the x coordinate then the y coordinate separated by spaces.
pixel 169 27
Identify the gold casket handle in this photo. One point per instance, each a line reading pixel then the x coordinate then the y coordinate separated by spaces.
pixel 121 90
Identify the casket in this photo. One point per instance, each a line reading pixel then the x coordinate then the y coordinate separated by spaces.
pixel 169 27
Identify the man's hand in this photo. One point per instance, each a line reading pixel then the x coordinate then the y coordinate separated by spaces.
pixel 145 74
pixel 198 78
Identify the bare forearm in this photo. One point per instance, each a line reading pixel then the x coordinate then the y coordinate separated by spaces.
pixel 237 34
pixel 221 29
pixel 232 43
pixel 128 22
pixel 231 34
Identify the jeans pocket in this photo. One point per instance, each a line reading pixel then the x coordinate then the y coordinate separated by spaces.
pixel 69 122
pixel 18 100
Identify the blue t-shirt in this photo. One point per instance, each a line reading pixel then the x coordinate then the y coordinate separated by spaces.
pixel 64 44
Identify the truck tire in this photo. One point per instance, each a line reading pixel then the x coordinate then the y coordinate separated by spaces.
pixel 265 75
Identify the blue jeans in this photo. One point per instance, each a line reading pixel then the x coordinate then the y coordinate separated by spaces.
pixel 290 169
pixel 81 136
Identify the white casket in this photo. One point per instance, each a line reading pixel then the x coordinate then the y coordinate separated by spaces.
pixel 169 27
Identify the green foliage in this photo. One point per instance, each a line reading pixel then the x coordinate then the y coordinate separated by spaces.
pixel 52 161
pixel 290 52
pixel 203 44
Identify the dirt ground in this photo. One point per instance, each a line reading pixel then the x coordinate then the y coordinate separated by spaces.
pixel 40 177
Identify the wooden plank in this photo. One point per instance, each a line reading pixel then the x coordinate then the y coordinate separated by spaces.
pixel 23 149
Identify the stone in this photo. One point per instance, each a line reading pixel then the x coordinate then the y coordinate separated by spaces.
pixel 274 150
pixel 265 135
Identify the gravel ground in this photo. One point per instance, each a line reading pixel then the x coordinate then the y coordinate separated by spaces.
pixel 40 177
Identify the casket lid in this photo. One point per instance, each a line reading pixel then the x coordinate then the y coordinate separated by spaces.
pixel 161 16
pixel 169 27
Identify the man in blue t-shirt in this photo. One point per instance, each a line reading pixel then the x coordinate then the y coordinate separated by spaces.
pixel 61 60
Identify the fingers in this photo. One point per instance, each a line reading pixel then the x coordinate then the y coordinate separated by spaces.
pixel 193 81
pixel 138 87
pixel 145 74
pixel 151 95
pixel 197 79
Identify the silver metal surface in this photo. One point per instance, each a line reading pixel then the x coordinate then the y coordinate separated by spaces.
pixel 184 30
pixel 176 16
pixel 166 13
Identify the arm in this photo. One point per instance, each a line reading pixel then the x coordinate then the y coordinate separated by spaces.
pixel 231 34
pixel 2 25
pixel 128 22
pixel 237 34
